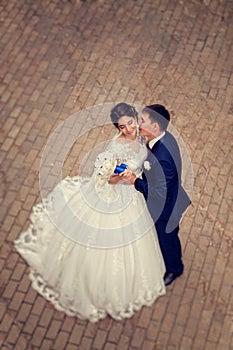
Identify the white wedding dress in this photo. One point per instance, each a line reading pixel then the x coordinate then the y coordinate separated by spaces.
pixel 92 248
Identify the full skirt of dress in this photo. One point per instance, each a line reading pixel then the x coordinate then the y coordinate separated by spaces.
pixel 91 281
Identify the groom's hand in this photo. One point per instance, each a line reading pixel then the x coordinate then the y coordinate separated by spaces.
pixel 128 176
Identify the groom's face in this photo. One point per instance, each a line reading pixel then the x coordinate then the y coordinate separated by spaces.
pixel 146 127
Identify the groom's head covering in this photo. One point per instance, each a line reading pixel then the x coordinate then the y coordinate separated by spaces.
pixel 158 113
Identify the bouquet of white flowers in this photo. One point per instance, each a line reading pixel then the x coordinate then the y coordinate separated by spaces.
pixel 105 165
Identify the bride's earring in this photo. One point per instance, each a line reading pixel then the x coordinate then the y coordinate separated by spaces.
pixel 137 129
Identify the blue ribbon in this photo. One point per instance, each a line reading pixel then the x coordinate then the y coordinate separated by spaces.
pixel 120 168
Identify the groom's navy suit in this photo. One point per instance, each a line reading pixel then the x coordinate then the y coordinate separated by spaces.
pixel 166 198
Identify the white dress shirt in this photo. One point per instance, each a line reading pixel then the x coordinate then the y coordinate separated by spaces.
pixel 153 142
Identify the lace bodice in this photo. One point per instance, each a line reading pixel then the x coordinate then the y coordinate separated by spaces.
pixel 133 153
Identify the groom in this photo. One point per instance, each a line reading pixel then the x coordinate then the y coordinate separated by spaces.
pixel 161 186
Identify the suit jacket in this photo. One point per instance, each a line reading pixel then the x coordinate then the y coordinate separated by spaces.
pixel 161 182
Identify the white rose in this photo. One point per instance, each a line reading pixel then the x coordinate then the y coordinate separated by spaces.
pixel 107 168
pixel 147 165
pixel 105 164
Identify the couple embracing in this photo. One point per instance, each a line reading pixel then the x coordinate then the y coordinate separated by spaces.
pixel 112 244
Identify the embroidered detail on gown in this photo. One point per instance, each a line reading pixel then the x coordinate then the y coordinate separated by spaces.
pixel 93 255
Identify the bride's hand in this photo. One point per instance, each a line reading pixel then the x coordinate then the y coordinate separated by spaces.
pixel 114 179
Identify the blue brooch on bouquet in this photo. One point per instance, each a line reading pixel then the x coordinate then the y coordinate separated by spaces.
pixel 120 168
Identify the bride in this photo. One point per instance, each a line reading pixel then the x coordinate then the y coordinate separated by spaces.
pixel 91 247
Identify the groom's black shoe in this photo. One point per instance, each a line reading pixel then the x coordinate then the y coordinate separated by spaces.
pixel 169 277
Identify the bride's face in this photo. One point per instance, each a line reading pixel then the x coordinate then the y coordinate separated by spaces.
pixel 127 125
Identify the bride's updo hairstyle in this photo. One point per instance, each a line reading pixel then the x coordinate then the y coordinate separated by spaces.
pixel 122 110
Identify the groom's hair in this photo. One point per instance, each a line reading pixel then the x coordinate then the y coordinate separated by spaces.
pixel 158 114
pixel 122 109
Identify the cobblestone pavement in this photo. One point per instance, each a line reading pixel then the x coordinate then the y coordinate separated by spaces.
pixel 59 57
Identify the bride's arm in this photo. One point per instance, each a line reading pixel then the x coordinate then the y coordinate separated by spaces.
pixel 115 179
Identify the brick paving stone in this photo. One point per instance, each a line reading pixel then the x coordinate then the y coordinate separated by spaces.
pixel 38 337
pixel 69 324
pixel 138 337
pixel 191 327
pixel 107 324
pixel 109 346
pixel 225 341
pixel 31 324
pixel 148 345
pixel 176 336
pixel 168 323
pixel 71 347
pixel 210 345
pixel 186 343
pixel 46 317
pixel 10 290
pixel 162 339
pixel 46 344
pixel 145 318
pixel 5 277
pixel 22 342
pixel 18 272
pixel 53 330
pixel 23 313
pixel 153 330
pixel 91 330
pixel 159 311
pixel 8 222
pixel 115 332
pixel 24 284
pixel 174 303
pixel 6 322
pixel 11 263
pixel 86 344
pixel 13 335
pixel 61 340
pixel 77 334
pixel 3 307
pixel 39 306
pixel 2 339
pixel 99 339
pixel 123 343
pixel 16 301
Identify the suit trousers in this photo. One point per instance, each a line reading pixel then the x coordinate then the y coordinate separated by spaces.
pixel 170 247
